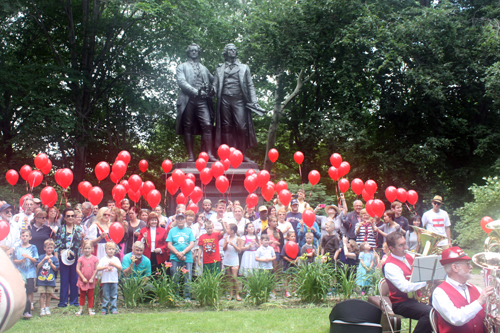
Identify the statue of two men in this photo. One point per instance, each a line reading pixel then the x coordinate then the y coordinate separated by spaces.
pixel 236 98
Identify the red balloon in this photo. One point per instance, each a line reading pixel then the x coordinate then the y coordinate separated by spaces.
pixel 147 187
pixel 200 164
pixel 119 191
pixel 336 160
pixel 134 182
pixel 314 177
pixel 134 195
pixel 48 196
pixel 12 177
pixel 25 171
pixel 223 152
pixel 281 185
pixel 298 157
pixel 357 186
pixel 171 186
pixel 236 157
pixel 369 209
pixel 193 207
pixel 309 217
pixel 35 178
pixel 333 172
pixel 222 184
pixel 371 187
pixel 252 200
pixel 263 177
pixel 102 170
pixel 178 177
pixel 484 221
pixel 250 172
pixel 203 155
pixel 125 184
pixel 218 169
pixel 250 183
pixel 181 199
pixel 95 195
pixel 378 207
pixel 187 187
pixel 391 193
pixel 196 195
pixel 291 249
pixel 154 198
pixel 344 168
pixel 166 166
pixel 57 174
pixel 273 155
pixel 285 196
pixel 119 169
pixel 84 188
pixel 65 178
pixel 123 156
pixel 366 196
pixel 113 177
pixel 231 150
pixel 46 168
pixel 226 164
pixel 206 176
pixel 189 175
pixel 343 185
pixel 4 229
pixel 401 195
pixel 40 160
pixel 412 197
pixel 143 165
pixel 116 232
pixel 267 191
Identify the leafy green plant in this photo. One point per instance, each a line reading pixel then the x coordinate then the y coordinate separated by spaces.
pixel 208 288
pixel 133 290
pixel 258 285
pixel 313 281
pixel 346 280
pixel 163 289
pixel 97 294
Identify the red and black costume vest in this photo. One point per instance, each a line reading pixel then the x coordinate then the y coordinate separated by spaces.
pixel 396 295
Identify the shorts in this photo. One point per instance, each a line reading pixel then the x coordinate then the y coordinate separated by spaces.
pixel 46 289
pixel 30 285
pixel 278 255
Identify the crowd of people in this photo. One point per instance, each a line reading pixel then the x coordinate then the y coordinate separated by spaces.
pixel 74 245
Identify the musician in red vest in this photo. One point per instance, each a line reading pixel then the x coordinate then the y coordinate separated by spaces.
pixel 460 305
pixel 397 271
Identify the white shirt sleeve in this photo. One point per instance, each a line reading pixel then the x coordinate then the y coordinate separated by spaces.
pixel 447 222
pixel 425 219
pixel 455 316
pixel 395 274
pixel 92 232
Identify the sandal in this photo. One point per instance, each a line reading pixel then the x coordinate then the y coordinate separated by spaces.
pixel 238 298
pixel 229 297
pixel 91 313
pixel 79 313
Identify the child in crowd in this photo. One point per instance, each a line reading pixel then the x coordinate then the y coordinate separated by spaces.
pixel 386 251
pixel 288 261
pixel 195 228
pixel 86 268
pixel 366 264
pixel 209 243
pixel 231 260
pixel 47 267
pixel 330 242
pixel 265 254
pixel 111 267
pixel 249 243
pixel 308 249
pixel 25 258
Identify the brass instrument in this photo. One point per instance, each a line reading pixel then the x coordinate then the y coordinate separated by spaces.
pixel 493 241
pixel 427 241
pixel 490 263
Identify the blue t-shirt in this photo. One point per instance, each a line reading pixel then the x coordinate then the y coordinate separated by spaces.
pixel 180 239
pixel 138 270
pixel 46 275
pixel 28 269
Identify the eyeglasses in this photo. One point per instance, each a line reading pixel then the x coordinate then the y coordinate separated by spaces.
pixel 106 214
pixel 436 203
pixel 70 216
pixel 41 217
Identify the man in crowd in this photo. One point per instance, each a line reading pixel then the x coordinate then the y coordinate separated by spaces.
pixel 37 203
pixel 136 264
pixel 261 223
pixel 397 271
pixel 207 209
pixel 111 204
pixel 294 216
pixel 220 216
pixel 88 216
pixel 95 209
pixel 26 215
pixel 438 221
pixel 460 305
pixel 351 219
pixel 162 220
pixel 301 195
pixel 180 209
pixel 397 207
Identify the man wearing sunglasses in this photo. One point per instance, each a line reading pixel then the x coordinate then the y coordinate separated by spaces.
pixel 438 221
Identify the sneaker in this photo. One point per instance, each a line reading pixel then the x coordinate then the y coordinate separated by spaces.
pixel 47 311
pixel 187 299
pixel 329 294
pixel 287 294
pixel 103 313
pixel 42 312
pixel 27 315
pixel 272 296
pixel 114 312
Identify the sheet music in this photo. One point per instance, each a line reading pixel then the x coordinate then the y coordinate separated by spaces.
pixel 427 268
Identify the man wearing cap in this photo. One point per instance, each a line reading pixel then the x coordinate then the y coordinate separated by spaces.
pixel 13 239
pixel 294 216
pixel 350 220
pixel 37 203
pixel 261 223
pixel 460 305
pixel 438 221
pixel 180 209
pixel 397 271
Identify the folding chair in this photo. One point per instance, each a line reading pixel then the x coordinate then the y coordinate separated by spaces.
pixel 434 320
pixel 355 315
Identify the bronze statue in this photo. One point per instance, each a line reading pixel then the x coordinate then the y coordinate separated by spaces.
pixel 194 104
pixel 236 99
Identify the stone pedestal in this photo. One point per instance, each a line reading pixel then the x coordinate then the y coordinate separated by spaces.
pixel 236 191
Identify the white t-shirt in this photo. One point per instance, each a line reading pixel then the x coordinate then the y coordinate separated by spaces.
pixel 112 275
pixel 285 226
pixel 22 220
pixel 437 222
pixel 241 225
pixel 265 253
pixel 196 233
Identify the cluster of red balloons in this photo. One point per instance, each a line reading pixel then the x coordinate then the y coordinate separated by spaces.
pixel 339 168
pixel 375 207
pixel 367 190
pixel 186 182
pixel 392 193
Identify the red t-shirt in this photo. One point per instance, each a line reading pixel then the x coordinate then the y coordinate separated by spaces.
pixel 210 246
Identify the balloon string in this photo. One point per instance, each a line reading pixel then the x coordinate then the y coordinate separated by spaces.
pixel 13 197
pixel 230 183
pixel 300 173
pixel 336 193
pixel 408 207
pixel 274 170
pixel 60 203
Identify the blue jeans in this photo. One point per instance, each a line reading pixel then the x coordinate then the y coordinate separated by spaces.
pixel 187 276
pixel 109 297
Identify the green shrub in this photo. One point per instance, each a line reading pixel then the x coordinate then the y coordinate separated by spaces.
pixel 163 289
pixel 258 285
pixel 208 288
pixel 97 293
pixel 133 290
pixel 346 280
pixel 313 281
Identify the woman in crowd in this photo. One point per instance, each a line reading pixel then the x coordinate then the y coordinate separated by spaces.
pixel 364 230
pixel 411 236
pixel 154 239
pixel 68 242
pixel 144 215
pixel 276 240
pixel 53 217
pixel 98 232
pixel 283 225
pixel 40 232
pixel 389 224
pixel 240 221
pixel 271 211
pixel 13 239
pixel 134 227
pixel 334 214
